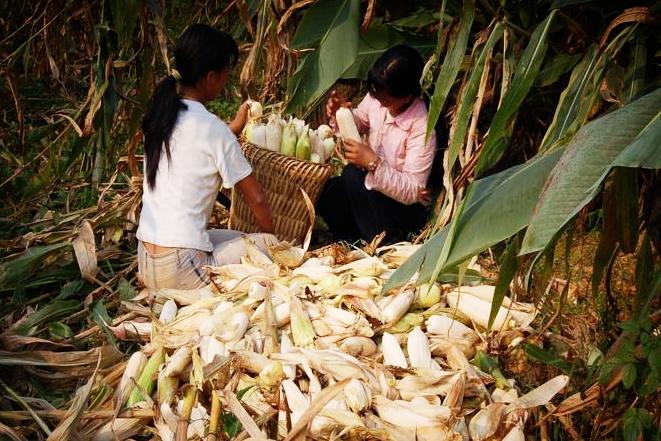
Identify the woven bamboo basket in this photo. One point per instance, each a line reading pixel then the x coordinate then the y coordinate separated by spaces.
pixel 281 178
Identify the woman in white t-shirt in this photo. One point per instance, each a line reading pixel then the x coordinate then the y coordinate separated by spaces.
pixel 189 152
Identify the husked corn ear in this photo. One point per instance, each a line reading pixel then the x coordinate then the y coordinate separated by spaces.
pixel 407 323
pixel 234 328
pixel 392 352
pixel 324 131
pixel 272 374
pixel 133 369
pixel 427 295
pixel 417 346
pixel 210 348
pixel 147 380
pixel 255 109
pixel 366 267
pixel 179 360
pixel 169 312
pixel 346 124
pixel 411 415
pixel 301 326
pixel 358 345
pixel 396 306
pixel 357 396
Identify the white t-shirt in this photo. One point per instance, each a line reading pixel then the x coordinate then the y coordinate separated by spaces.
pixel 203 151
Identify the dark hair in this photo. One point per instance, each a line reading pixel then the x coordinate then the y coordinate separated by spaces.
pixel 199 50
pixel 397 72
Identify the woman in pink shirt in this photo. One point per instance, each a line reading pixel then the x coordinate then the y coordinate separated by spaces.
pixel 383 186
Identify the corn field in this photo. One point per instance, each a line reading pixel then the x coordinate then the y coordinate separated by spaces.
pixel 527 308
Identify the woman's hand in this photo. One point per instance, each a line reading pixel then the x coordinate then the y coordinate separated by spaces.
pixel 334 103
pixel 241 118
pixel 359 153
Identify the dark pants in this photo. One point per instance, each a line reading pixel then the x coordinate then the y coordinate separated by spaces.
pixel 353 212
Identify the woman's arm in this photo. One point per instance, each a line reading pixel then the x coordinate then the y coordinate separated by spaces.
pixel 240 119
pixel 406 185
pixel 255 199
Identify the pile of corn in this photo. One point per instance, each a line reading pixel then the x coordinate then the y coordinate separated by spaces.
pixel 291 137
pixel 296 346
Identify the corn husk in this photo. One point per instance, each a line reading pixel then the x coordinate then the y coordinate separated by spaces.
pixel 288 140
pixel 273 133
pixel 303 147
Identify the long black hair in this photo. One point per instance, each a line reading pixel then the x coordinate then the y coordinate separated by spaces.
pixel 396 72
pixel 199 50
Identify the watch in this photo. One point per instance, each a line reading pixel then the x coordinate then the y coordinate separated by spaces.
pixel 374 164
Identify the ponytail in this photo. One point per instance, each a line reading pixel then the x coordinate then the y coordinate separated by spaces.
pixel 199 50
pixel 158 123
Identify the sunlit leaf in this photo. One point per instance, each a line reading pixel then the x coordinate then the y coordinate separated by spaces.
pixel 525 75
pixel 587 159
pixel 452 62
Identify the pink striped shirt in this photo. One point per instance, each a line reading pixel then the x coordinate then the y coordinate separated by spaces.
pixel 400 142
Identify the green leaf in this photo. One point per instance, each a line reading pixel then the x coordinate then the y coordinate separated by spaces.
pixel 555 67
pixel 51 311
pixel 231 425
pixel 60 331
pixel 70 289
pixel 499 206
pixel 634 80
pixel 645 296
pixel 126 290
pixel 451 64
pixel 470 277
pixel 506 272
pixel 644 152
pixel 629 375
pixel 534 352
pixel 576 178
pixel 467 100
pixel 634 422
pixel 525 74
pixel 101 317
pixel 376 40
pixel 335 25
pixel 420 18
pixel 17 270
pixel 582 92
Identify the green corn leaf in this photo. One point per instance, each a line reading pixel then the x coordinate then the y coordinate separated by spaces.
pixel 451 65
pixel 536 353
pixel 525 75
pixel 334 24
pixel 376 40
pixel 51 311
pixel 635 76
pixel 17 270
pixel 644 151
pixel 587 159
pixel 498 207
pixel 506 272
pixel 582 92
pixel 101 317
